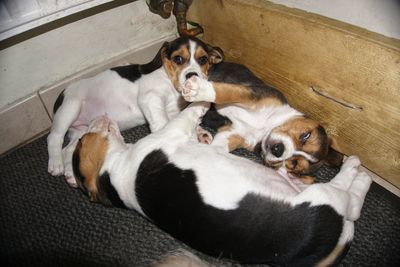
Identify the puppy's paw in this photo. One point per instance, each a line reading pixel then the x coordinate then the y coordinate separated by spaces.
pixel 70 179
pixel 351 162
pixel 347 173
pixel 204 137
pixel 358 190
pixel 69 175
pixel 197 89
pixel 350 166
pixel 56 166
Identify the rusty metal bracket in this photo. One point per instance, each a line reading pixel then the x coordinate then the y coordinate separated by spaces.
pixel 179 8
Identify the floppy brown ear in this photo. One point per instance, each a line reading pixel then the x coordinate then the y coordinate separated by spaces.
pixel 334 157
pixel 215 54
pixel 157 61
pixel 88 158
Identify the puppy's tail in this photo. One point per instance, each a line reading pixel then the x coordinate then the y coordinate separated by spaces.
pixel 181 258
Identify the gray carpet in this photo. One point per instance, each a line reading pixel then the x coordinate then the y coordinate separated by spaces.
pixel 43 222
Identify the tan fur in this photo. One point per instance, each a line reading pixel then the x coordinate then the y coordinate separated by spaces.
pixel 296 164
pixel 226 93
pixel 92 152
pixel 173 70
pixel 336 252
pixel 297 126
pixel 181 259
pixel 201 53
pixel 225 128
pixel 236 141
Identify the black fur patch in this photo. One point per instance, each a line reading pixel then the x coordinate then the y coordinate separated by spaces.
pixel 260 230
pixel 212 120
pixel 234 73
pixel 107 194
pixel 58 102
pixel 130 72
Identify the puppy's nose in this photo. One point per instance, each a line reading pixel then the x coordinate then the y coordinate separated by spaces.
pixel 190 74
pixel 277 149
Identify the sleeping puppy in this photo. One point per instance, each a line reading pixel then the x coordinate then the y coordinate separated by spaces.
pixel 130 95
pixel 249 114
pixel 219 203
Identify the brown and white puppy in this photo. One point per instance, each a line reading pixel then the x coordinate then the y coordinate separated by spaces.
pixel 219 203
pixel 249 113
pixel 130 95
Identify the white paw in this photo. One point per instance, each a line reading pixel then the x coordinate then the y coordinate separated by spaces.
pixel 56 165
pixel 364 179
pixel 351 162
pixel 204 137
pixel 70 179
pixel 358 190
pixel 197 89
pixel 347 173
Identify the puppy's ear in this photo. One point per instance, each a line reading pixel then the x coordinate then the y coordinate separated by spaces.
pixel 88 158
pixel 157 61
pixel 334 157
pixel 215 54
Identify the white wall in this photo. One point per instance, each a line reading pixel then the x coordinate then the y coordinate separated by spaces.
pixel 44 60
pixel 380 16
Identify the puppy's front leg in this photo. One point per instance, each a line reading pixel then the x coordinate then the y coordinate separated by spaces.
pixel 188 119
pixel 197 89
pixel 154 110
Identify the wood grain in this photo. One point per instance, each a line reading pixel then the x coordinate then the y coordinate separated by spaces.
pixel 344 76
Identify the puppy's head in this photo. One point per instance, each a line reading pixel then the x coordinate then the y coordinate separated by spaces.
pixel 301 145
pixel 188 56
pixel 89 156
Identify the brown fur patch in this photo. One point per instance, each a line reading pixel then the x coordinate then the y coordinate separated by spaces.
pixel 297 126
pixel 92 152
pixel 226 93
pixel 336 252
pixel 236 141
pixel 173 70
pixel 200 52
pixel 224 128
pixel 297 165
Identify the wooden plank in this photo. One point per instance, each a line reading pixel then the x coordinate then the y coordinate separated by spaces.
pixel 344 76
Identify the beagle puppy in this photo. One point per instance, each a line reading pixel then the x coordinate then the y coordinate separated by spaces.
pixel 130 95
pixel 216 202
pixel 250 114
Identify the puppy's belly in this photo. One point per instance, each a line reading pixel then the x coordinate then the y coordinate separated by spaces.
pixel 126 113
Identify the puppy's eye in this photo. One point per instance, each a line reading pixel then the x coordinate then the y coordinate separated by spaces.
pixel 202 60
pixel 304 137
pixel 178 60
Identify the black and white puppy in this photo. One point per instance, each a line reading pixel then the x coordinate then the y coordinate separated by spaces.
pixel 130 95
pixel 216 202
pixel 249 114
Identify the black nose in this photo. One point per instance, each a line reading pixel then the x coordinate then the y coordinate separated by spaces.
pixel 190 74
pixel 277 149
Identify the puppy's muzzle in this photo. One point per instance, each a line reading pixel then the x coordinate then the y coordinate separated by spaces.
pixel 190 74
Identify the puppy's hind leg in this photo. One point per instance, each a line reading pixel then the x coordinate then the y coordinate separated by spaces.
pixel 74 134
pixel 63 119
pixel 358 190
